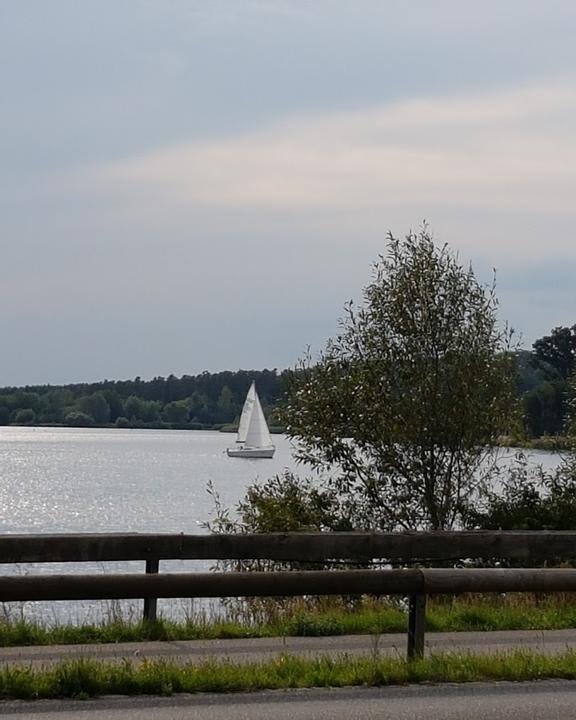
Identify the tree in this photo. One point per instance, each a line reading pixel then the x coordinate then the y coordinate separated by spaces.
pixel 25 416
pixel 95 406
pixel 176 412
pixel 133 408
pixel 226 407
pixel 54 405
pixel 141 411
pixel 558 350
pixel 570 421
pixel 114 403
pixel 79 419
pixel 403 404
pixel 544 409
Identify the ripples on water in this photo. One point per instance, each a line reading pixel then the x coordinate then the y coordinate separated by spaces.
pixel 60 480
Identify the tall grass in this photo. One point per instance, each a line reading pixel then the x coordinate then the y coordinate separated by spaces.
pixel 300 618
pixel 88 678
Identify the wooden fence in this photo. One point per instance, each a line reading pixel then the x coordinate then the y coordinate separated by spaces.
pixel 353 548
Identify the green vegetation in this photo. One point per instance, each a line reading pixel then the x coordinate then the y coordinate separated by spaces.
pixel 531 499
pixel 404 403
pixel 214 400
pixel 88 678
pixel 550 443
pixel 402 410
pixel 545 381
pixel 191 402
pixel 327 617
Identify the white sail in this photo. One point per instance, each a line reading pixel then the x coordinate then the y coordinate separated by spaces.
pixel 253 433
pixel 246 413
pixel 257 435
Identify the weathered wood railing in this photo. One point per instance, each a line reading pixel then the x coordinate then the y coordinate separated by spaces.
pixel 405 548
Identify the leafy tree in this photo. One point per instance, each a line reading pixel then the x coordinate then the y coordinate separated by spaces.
pixel 531 372
pixel 200 410
pixel 141 412
pixel 544 409
pixel 25 416
pixel 405 401
pixel 150 411
pixel 227 408
pixel 96 406
pixel 176 412
pixel 79 419
pixel 24 399
pixel 114 403
pixel 570 422
pixel 54 405
pixel 558 350
pixel 133 408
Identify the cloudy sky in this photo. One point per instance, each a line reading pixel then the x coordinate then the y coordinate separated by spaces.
pixel 192 185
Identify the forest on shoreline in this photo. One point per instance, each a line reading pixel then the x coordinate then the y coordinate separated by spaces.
pixel 214 400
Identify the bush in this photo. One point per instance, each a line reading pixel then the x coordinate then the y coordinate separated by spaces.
pixel 26 416
pixel 531 499
pixel 78 419
pixel 283 503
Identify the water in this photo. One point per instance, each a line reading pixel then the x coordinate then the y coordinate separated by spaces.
pixel 62 480
pixel 55 480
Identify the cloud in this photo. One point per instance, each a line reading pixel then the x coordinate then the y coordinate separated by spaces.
pixel 500 150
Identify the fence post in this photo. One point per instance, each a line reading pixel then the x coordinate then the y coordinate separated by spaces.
pixel 151 604
pixel 416 625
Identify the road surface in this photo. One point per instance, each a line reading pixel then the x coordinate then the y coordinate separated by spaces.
pixel 544 700
pixel 253 650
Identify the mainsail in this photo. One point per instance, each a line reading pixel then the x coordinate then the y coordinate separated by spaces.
pixel 257 434
pixel 253 433
pixel 246 414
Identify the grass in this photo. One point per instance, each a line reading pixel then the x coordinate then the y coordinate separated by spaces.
pixel 553 443
pixel 88 678
pixel 329 617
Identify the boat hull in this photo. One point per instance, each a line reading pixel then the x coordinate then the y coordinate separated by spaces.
pixel 249 452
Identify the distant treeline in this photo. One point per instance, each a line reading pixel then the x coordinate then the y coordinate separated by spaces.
pixel 214 400
pixel 191 402
pixel 546 381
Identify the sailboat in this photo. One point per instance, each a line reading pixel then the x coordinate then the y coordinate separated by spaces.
pixel 253 435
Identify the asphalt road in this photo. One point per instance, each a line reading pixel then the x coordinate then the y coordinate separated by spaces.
pixel 252 650
pixel 545 700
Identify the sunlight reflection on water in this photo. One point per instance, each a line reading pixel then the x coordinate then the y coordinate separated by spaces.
pixel 61 480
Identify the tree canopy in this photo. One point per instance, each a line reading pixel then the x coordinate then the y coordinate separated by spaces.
pixel 206 400
pixel 403 403
pixel 558 350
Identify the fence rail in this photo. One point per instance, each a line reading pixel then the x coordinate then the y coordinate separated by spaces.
pixel 429 581
pixel 416 583
pixel 308 547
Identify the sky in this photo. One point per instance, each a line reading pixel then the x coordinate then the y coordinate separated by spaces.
pixel 192 185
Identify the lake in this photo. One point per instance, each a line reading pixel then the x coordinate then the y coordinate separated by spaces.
pixel 56 480
pixel 60 480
